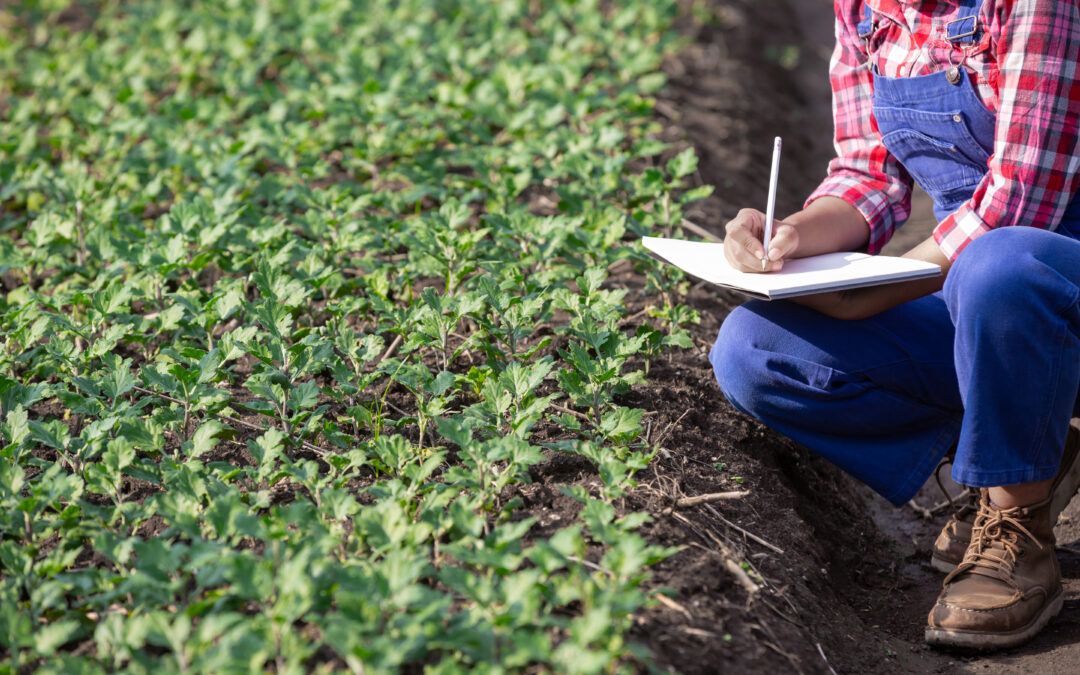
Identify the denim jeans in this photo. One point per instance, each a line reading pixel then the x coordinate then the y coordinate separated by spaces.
pixel 991 362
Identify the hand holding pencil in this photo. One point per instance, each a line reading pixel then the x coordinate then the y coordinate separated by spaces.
pixel 756 241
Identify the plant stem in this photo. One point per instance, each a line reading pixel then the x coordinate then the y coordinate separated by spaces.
pixel 80 256
pixel 322 452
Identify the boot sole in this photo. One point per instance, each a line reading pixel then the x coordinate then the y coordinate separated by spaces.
pixel 977 641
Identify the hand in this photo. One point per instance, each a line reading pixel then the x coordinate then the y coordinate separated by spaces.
pixel 742 243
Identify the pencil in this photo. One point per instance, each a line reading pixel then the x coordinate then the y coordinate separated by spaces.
pixel 770 208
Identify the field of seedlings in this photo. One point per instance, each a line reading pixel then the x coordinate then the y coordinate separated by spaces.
pixel 298 294
pixel 326 345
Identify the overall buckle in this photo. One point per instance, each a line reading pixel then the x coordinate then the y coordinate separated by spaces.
pixel 964 27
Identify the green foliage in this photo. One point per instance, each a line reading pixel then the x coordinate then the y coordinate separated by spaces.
pixel 300 293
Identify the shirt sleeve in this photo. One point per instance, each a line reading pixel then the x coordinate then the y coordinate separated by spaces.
pixel 863 173
pixel 1035 167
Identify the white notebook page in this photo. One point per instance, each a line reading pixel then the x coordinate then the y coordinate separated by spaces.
pixel 831 271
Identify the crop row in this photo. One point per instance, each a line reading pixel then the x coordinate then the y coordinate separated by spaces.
pixel 299 297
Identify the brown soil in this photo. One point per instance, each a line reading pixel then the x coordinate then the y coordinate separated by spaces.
pixel 809 572
pixel 851 588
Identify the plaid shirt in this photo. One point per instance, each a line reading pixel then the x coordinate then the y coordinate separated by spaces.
pixel 1024 68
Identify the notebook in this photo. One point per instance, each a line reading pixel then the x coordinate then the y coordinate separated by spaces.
pixel 804 276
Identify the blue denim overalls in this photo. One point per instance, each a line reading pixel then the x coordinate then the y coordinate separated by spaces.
pixel 991 362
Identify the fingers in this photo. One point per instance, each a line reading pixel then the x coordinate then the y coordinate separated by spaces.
pixel 784 242
pixel 742 244
pixel 742 241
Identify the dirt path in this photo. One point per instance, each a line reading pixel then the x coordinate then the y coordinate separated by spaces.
pixel 852 588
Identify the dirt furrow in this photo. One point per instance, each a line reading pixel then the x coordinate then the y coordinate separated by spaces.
pixel 851 589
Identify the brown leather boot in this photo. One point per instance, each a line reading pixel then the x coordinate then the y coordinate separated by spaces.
pixel 952 542
pixel 1008 585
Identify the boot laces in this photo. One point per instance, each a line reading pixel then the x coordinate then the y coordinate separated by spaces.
pixel 968 499
pixel 997 540
pixel 968 503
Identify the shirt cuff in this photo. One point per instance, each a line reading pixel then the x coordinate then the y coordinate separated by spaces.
pixel 958 230
pixel 871 202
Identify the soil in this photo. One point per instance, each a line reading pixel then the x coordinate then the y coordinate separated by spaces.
pixel 807 571
pixel 834 579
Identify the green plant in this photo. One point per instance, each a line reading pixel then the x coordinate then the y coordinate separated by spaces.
pixel 300 295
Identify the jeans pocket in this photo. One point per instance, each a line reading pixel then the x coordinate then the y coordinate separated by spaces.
pixel 940 167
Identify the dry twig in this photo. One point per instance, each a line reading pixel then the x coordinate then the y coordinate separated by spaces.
pixel 667 454
pixel 591 565
pixel 746 533
pixel 920 511
pixel 671 604
pixel 943 506
pixel 699 230
pixel 667 431
pixel 710 498
pixel 634 317
pixel 396 409
pixel 792 659
pixel 568 411
pixel 822 652
pixel 741 576
pixel 729 557
pixel 697 632
pixel 390 350
pixel 667 110
pixel 617 264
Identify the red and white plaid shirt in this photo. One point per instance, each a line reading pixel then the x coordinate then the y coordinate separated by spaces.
pixel 1026 69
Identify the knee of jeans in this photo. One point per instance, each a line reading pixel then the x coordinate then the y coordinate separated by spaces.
pixel 993 271
pixel 732 358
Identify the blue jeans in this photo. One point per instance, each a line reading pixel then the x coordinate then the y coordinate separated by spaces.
pixel 991 362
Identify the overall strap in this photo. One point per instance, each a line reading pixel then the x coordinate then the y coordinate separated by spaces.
pixel 960 29
pixel 866 26
pixel 964 27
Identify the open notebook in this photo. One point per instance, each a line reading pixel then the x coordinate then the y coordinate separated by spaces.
pixel 828 272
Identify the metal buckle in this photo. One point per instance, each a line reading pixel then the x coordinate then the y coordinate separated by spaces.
pixel 865 37
pixel 957 38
